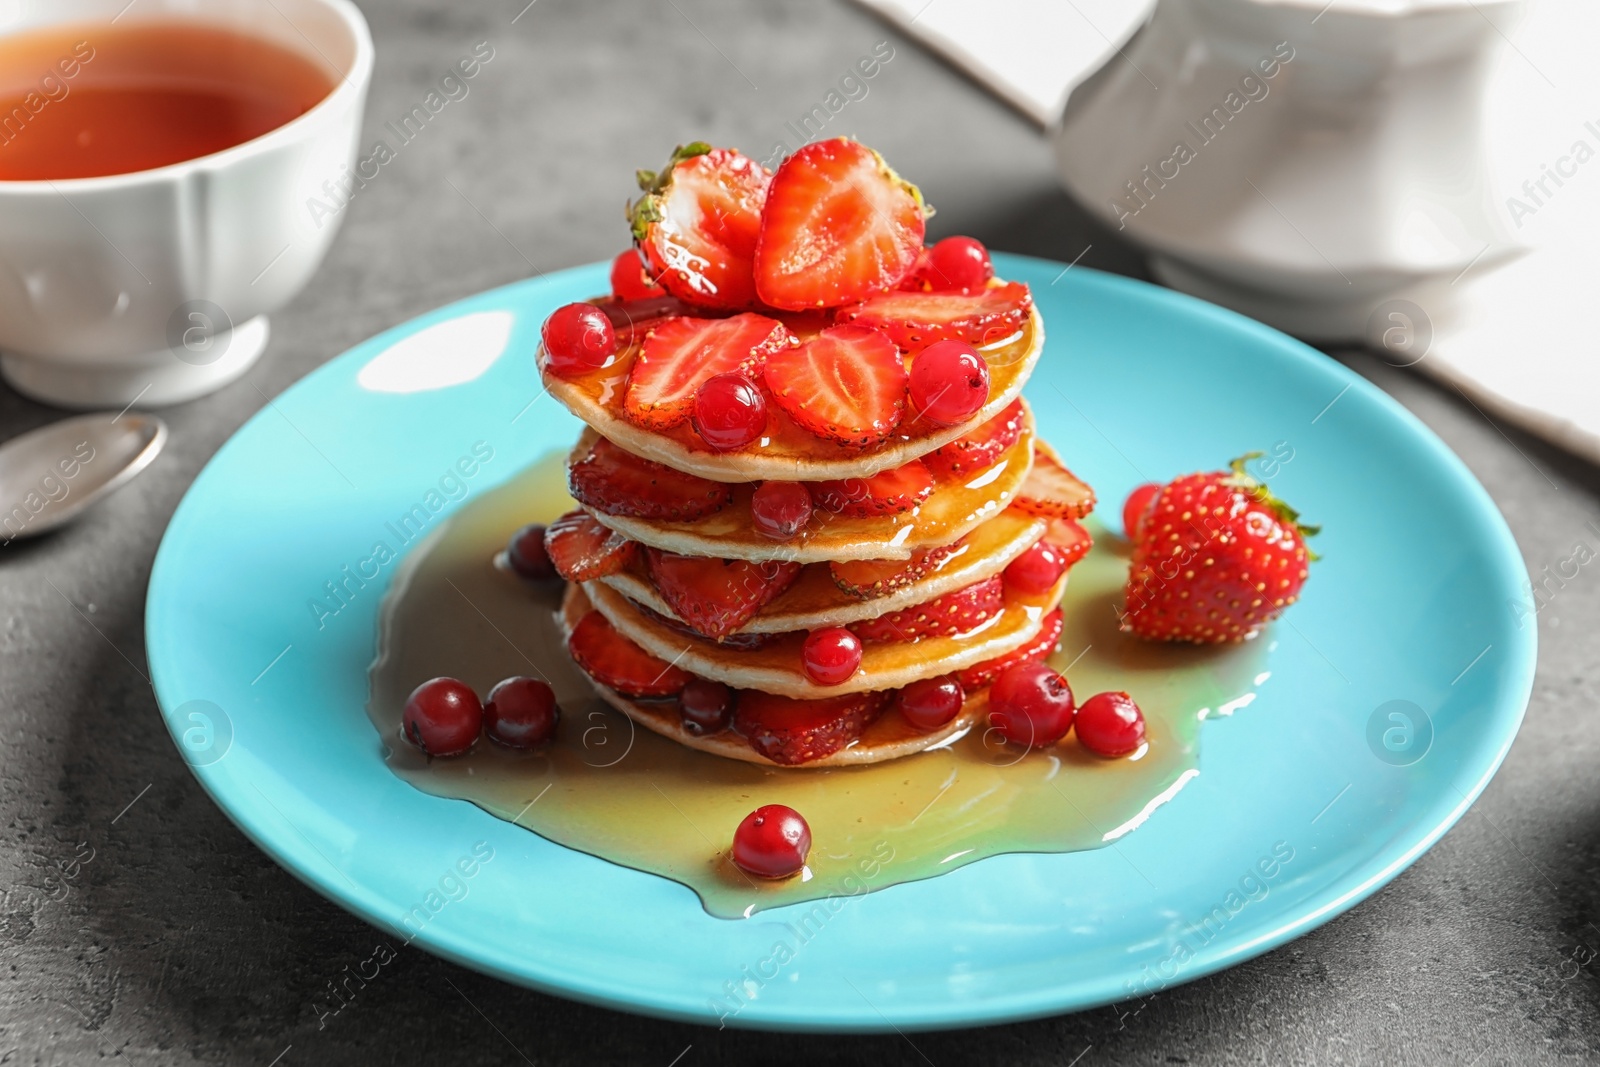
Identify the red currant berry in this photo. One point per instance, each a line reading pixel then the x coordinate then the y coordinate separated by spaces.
pixel 629 280
pixel 1031 704
pixel 706 706
pixel 780 510
pixel 442 717
pixel 521 713
pixel 949 382
pixel 772 842
pixel 930 703
pixel 578 338
pixel 958 264
pixel 1037 570
pixel 831 656
pixel 1136 507
pixel 730 411
pixel 528 557
pixel 1110 724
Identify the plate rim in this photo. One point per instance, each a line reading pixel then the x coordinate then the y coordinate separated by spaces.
pixel 1509 705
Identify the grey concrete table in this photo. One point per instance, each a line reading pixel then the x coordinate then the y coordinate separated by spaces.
pixel 169 939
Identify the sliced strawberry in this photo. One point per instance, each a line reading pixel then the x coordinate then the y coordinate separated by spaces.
pixel 679 354
pixel 617 482
pixel 698 221
pixel 914 282
pixel 954 613
pixel 791 731
pixel 979 449
pixel 632 319
pixel 738 642
pixel 838 226
pixel 717 596
pixel 629 281
pixel 1044 644
pixel 866 579
pixel 915 320
pixel 582 550
pixel 1053 491
pixel 886 493
pixel 613 660
pixel 1069 536
pixel 847 384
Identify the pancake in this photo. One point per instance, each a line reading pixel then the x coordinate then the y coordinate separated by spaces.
pixel 775 667
pixel 815 601
pixel 889 737
pixel 787 453
pixel 952 510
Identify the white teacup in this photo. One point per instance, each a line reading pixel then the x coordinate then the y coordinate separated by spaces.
pixel 153 286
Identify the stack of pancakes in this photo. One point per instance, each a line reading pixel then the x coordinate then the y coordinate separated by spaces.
pixel 851 569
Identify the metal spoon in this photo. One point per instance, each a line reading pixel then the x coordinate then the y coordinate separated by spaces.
pixel 49 476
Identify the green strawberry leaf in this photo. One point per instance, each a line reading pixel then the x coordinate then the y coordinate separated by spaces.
pixel 643 211
pixel 1244 480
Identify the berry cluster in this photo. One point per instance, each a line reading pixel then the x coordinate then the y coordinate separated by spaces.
pixel 443 716
pixel 729 256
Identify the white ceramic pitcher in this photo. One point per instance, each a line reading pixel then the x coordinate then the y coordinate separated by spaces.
pixel 1306 162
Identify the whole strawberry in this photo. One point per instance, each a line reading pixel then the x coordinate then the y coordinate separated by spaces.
pixel 1215 557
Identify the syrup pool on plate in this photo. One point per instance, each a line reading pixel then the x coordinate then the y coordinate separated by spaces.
pixel 618 792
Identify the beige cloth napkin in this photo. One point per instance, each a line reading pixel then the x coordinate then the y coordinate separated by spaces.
pixel 1028 52
pixel 1524 343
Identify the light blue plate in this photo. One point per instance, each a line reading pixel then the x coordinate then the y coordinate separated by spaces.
pixel 1397 685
